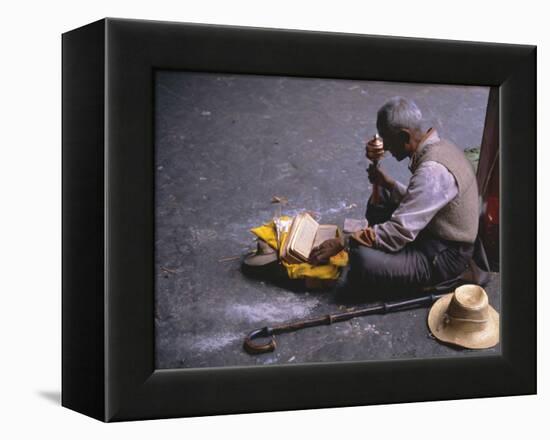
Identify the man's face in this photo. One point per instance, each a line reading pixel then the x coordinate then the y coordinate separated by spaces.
pixel 395 145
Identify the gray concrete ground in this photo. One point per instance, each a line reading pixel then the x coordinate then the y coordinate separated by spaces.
pixel 225 144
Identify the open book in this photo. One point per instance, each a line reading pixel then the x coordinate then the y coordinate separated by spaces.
pixel 305 234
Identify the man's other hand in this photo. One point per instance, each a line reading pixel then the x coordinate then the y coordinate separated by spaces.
pixel 322 253
pixel 378 176
pixel 367 237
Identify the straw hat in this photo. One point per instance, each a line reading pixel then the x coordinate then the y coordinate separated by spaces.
pixel 465 318
pixel 265 254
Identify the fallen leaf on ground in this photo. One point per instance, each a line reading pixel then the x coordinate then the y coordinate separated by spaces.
pixel 165 269
pixel 279 199
pixel 235 257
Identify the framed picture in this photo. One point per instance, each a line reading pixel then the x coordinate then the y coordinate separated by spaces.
pixel 228 248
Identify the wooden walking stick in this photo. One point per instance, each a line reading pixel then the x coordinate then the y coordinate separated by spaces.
pixel 252 347
pixel 374 147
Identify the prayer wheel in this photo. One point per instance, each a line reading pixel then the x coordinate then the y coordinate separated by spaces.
pixel 374 147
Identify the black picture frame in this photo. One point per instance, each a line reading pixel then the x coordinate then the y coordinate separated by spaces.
pixel 108 219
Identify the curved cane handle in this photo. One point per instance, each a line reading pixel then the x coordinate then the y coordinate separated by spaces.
pixel 254 348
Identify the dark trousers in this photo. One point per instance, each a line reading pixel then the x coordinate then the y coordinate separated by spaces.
pixel 426 262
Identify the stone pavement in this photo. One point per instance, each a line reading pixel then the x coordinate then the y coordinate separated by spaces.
pixel 225 144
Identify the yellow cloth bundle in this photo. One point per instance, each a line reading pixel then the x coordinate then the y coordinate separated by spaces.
pixel 330 271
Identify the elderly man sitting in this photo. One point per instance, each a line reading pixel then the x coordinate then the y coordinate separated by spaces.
pixel 423 234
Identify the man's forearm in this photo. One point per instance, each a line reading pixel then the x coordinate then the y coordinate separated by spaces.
pixel 397 192
pixel 430 189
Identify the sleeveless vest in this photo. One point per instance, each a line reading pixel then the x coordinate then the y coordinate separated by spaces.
pixel 459 219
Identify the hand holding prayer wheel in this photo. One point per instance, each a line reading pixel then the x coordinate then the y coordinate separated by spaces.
pixel 375 152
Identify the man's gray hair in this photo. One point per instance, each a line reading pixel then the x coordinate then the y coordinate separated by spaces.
pixel 398 113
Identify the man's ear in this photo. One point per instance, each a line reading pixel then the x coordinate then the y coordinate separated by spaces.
pixel 404 136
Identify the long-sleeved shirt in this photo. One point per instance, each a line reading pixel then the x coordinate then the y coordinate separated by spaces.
pixel 430 188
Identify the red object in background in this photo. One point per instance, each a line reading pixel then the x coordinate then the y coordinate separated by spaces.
pixel 491 213
pixel 488 180
pixel 490 231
